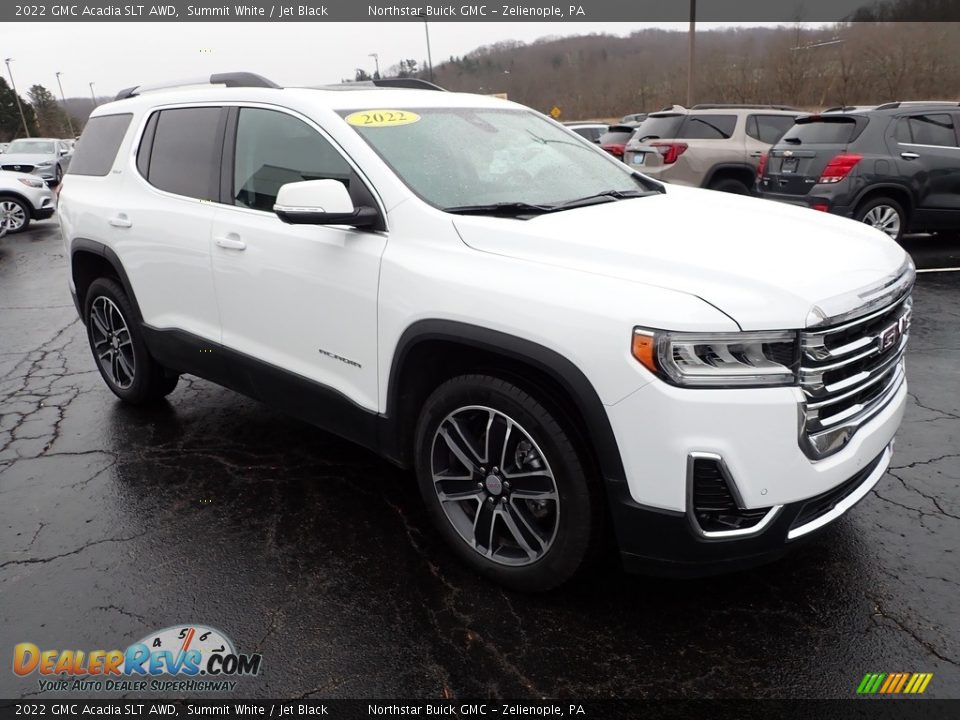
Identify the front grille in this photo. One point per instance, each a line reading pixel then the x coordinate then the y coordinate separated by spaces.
pixel 822 504
pixel 848 373
pixel 714 506
pixel 18 168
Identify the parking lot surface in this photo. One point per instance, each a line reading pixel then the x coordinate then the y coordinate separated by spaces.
pixel 213 509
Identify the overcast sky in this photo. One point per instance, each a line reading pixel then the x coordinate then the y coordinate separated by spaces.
pixel 117 55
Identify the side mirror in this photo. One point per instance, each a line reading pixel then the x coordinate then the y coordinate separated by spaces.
pixel 321 202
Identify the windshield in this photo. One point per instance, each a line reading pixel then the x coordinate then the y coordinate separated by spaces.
pixel 31 147
pixel 458 157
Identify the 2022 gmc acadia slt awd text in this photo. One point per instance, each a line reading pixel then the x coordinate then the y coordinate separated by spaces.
pixel 553 341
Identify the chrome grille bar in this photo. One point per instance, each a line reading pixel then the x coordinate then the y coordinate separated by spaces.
pixel 848 373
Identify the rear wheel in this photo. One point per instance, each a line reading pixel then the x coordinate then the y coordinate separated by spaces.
pixel 504 484
pixel 14 214
pixel 885 214
pixel 119 349
pixel 730 185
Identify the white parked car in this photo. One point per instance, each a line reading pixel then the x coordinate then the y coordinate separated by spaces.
pixel 23 198
pixel 552 347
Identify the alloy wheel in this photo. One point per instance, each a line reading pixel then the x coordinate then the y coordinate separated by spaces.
pixel 885 218
pixel 13 216
pixel 112 343
pixel 495 485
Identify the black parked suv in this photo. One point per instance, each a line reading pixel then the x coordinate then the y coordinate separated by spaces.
pixel 896 167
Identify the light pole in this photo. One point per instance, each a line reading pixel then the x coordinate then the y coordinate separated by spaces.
pixel 376 60
pixel 64 98
pixel 93 95
pixel 691 52
pixel 17 96
pixel 426 29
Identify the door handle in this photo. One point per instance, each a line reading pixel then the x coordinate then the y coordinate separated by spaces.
pixel 231 242
pixel 909 155
pixel 120 220
pixel 756 154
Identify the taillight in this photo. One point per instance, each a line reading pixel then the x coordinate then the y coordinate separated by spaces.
pixel 838 168
pixel 670 151
pixel 762 165
pixel 615 149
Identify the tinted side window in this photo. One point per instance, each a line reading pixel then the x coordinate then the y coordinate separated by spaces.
pixel 185 157
pixel 708 127
pixel 273 149
pixel 768 128
pixel 933 130
pixel 98 145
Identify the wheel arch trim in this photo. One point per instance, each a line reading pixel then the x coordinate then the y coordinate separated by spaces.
pixel 559 368
pixel 84 245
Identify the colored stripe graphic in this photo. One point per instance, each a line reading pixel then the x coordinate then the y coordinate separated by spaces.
pixel 894 683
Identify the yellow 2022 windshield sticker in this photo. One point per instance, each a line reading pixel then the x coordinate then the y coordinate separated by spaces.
pixel 381 118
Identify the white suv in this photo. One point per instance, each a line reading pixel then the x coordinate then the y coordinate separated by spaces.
pixel 552 341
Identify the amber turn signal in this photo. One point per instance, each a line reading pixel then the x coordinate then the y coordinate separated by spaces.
pixel 644 350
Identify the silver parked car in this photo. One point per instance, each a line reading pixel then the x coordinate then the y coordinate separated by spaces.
pixel 48 158
pixel 23 198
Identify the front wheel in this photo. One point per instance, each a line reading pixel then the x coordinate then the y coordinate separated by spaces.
pixel 884 214
pixel 119 348
pixel 504 483
pixel 14 214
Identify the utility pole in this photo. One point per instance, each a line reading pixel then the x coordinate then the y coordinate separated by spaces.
pixel 93 95
pixel 376 59
pixel 17 96
pixel 426 28
pixel 691 52
pixel 67 112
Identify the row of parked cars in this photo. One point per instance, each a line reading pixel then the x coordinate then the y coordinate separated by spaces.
pixel 28 169
pixel 895 166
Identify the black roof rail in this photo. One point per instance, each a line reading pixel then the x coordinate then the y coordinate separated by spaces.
pixel 230 79
pixel 734 106
pixel 911 103
pixel 411 83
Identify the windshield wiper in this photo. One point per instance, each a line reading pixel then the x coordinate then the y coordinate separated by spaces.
pixel 510 209
pixel 605 196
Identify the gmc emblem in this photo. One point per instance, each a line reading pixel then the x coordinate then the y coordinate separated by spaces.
pixel 891 335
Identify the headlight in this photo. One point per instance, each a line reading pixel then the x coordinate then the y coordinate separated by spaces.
pixel 30 182
pixel 45 163
pixel 719 360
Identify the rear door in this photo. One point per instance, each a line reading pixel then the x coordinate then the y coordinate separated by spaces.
pixel 929 156
pixel 796 162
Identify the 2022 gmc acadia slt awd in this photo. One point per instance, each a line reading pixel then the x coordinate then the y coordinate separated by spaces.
pixel 446 279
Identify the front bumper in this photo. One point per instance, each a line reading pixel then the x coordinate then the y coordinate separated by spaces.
pixel 756 433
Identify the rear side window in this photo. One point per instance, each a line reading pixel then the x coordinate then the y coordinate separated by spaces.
pixel 708 127
pixel 97 149
pixel 821 132
pixel 185 152
pixel 935 129
pixel 768 128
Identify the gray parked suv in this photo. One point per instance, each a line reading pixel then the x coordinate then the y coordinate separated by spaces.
pixel 710 146
pixel 48 158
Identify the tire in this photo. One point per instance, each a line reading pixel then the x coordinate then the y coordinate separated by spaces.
pixel 118 347
pixel 532 535
pixel 58 176
pixel 885 214
pixel 14 213
pixel 730 185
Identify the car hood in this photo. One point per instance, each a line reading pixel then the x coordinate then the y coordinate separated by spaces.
pixel 765 264
pixel 24 158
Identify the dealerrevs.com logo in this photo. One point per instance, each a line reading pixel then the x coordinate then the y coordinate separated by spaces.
pixel 181 658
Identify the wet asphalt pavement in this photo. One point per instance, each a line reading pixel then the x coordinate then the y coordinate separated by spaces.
pixel 214 509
